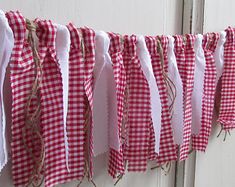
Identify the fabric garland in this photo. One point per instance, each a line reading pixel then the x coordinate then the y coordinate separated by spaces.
pixel 79 93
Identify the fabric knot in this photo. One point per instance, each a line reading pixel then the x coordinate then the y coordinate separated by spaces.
pixel 87 35
pixel 18 26
pixel 130 45
pixel 102 42
pixel 189 41
pixel 230 35
pixel 210 41
pixel 179 43
pixel 116 43
pixel 151 44
pixel 46 32
pixel 75 36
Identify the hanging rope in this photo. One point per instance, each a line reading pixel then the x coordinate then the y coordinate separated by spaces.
pixel 32 126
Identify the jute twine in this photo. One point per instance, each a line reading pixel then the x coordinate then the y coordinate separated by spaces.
pixel 217 110
pixel 32 126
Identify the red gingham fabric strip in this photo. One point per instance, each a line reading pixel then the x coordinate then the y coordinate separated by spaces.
pixel 116 160
pixel 185 57
pixel 167 147
pixel 88 36
pixel 76 107
pixel 51 92
pixel 22 76
pixel 227 106
pixel 200 141
pixel 139 119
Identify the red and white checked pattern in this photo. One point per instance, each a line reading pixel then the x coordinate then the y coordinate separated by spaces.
pixel 185 57
pixel 116 160
pixel 76 107
pixel 139 115
pixel 227 106
pixel 200 141
pixel 88 36
pixel 22 77
pixel 167 147
pixel 51 91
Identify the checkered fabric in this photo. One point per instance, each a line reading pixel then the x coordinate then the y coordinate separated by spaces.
pixel 200 141
pixel 22 76
pixel 167 146
pixel 88 36
pixel 116 162
pixel 185 57
pixel 51 91
pixel 227 106
pixel 76 107
pixel 139 114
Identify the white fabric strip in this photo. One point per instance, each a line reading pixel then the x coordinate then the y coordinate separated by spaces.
pixel 197 95
pixel 105 130
pixel 219 55
pixel 62 54
pixel 177 120
pixel 146 66
pixel 6 46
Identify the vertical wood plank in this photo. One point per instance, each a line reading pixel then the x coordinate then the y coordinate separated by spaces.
pixel 193 21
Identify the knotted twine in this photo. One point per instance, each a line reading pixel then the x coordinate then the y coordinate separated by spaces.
pixel 32 119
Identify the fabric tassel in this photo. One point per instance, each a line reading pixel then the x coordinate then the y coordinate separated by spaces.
pixel 200 141
pixel 177 119
pixel 105 119
pixel 146 66
pixel 51 99
pixel 75 124
pixel 116 160
pixel 139 112
pixel 159 61
pixel 197 95
pixel 185 57
pixel 6 46
pixel 62 46
pixel 227 106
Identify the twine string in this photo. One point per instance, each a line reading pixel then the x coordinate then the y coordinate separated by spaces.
pixel 165 167
pixel 226 132
pixel 32 128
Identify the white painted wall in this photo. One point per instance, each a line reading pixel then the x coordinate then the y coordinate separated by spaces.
pixel 218 15
pixel 132 16
pixel 215 167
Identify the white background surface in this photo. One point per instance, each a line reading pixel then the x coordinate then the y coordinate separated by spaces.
pixel 132 16
pixel 215 168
